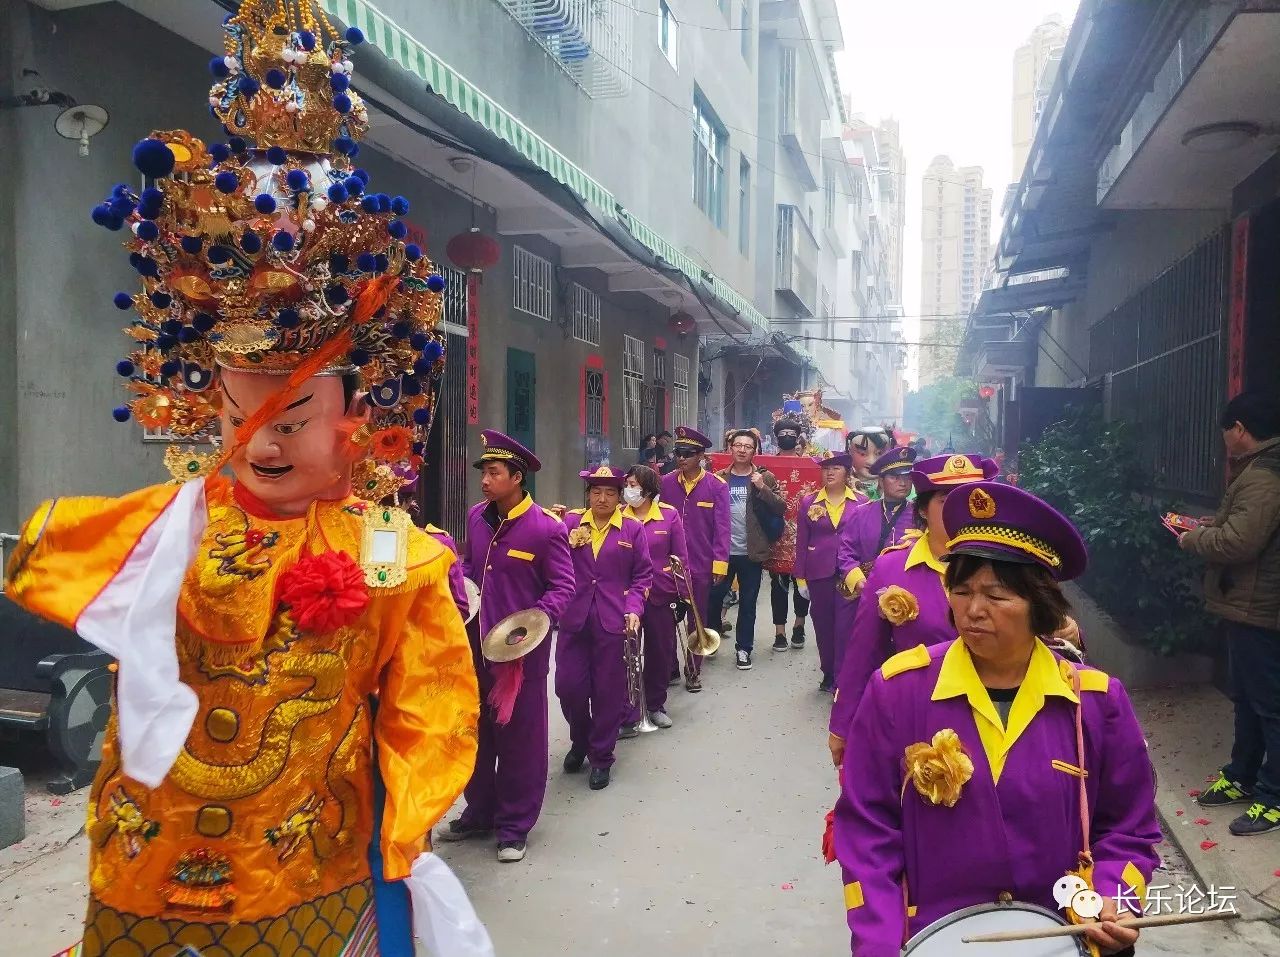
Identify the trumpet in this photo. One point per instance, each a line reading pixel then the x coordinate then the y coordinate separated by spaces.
pixel 704 640
pixel 633 652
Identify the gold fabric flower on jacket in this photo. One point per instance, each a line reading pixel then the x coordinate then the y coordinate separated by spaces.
pixel 579 536
pixel 939 770
pixel 816 512
pixel 897 605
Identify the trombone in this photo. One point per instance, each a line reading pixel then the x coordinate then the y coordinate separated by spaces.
pixel 704 641
pixel 633 653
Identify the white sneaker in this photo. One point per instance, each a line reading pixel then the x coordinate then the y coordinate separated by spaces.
pixel 660 719
pixel 744 660
pixel 510 852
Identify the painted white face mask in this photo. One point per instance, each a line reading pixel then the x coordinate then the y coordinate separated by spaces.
pixel 632 496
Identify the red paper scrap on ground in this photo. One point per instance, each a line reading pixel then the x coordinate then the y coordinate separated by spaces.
pixel 1179 812
pixel 1202 821
pixel 788 887
pixel 1207 845
pixel 1194 792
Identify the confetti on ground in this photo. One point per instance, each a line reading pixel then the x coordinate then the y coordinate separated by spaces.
pixel 1194 792
pixel 788 886
pixel 56 802
pixel 1208 845
pixel 1210 779
pixel 1202 821
pixel 1179 812
pixel 1276 873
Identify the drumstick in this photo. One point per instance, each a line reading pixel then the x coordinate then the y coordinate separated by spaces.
pixel 1075 930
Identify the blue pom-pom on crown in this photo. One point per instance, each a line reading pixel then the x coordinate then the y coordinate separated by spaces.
pixel 355 148
pixel 369 204
pixel 153 158
pixel 307 39
pixel 297 180
pixel 337 193
pixel 191 244
pixel 398 229
pixel 121 206
pixel 275 78
pixel 433 351
pixel 282 241
pixel 399 205
pixel 218 254
pixel 339 82
pixel 354 185
pixel 147 231
pixel 124 368
pixel 170 368
pixel 338 263
pixel 204 322
pixel 413 252
pixel 287 318
pixel 226 181
pixel 165 342
pixel 220 152
pixel 355 36
pixel 361 174
pixel 120 413
pixel 151 197
pixel 102 215
pixel 218 67
pixel 161 300
pixel 436 283
pixel 422 366
pixel 421 416
pixel 149 268
pixel 251 243
pixel 264 203
pixel 419 340
pixel 342 103
pixel 367 262
pixel 381 263
pixel 237 144
pixel 359 357
pixel 171 327
pixel 401 329
pixel 344 145
pixel 336 294
pixel 187 334
pixel 122 300
pixel 276 155
pixel 419 448
pixel 410 385
pixel 247 85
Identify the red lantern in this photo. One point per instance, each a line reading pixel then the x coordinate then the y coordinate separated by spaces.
pixel 473 250
pixel 986 391
pixel 681 323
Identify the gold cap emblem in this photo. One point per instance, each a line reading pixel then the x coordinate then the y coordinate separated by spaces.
pixel 981 505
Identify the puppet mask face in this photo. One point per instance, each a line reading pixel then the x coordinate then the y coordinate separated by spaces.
pixel 295 458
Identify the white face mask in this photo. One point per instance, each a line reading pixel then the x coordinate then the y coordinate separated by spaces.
pixel 632 496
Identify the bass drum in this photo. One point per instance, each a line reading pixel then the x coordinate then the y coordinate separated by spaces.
pixel 944 937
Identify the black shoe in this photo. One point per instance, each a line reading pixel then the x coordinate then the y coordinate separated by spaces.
pixel 510 852
pixel 725 628
pixel 599 779
pixel 629 731
pixel 1223 792
pixel 693 684
pixel 780 643
pixel 573 761
pixel 828 684
pixel 456 830
pixel 1259 819
pixel 744 659
pixel 797 638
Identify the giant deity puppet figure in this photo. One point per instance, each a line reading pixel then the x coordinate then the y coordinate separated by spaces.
pixel 296 703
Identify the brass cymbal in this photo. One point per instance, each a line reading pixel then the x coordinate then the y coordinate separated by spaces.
pixel 706 642
pixel 516 635
pixel 473 598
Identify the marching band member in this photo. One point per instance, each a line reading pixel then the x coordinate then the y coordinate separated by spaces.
pixel 702 498
pixel 518 554
pixel 613 572
pixel 664 533
pixel 821 517
pixel 876 524
pixel 906 603
pixel 986 768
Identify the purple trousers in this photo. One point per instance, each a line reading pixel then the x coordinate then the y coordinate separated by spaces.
pixel 822 612
pixel 659 623
pixel 846 609
pixel 510 778
pixel 701 594
pixel 591 683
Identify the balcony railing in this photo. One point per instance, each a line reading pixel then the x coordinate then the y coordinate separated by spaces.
pixel 797 257
pixel 589 39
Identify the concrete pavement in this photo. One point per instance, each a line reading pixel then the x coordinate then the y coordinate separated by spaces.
pixel 706 843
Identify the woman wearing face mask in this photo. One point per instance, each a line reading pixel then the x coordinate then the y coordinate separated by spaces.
pixel 664 532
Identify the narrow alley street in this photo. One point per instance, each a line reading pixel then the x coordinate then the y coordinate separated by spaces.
pixel 706 843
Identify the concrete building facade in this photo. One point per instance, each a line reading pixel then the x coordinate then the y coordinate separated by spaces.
pixel 1034 66
pixel 955 237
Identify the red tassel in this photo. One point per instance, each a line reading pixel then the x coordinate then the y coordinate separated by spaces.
pixel 508 678
pixel 829 837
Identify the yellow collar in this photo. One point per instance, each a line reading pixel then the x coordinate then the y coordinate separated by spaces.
pixel 525 504
pixel 689 486
pixel 849 495
pixel 653 515
pixel 922 554
pixel 615 520
pixel 958 677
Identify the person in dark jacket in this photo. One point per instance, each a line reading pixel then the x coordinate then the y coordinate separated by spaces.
pixel 1241 545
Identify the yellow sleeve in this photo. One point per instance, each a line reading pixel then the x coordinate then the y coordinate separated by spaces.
pixel 855 578
pixel 719 568
pixel 428 709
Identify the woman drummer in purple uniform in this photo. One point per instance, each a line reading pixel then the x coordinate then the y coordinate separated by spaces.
pixel 988 768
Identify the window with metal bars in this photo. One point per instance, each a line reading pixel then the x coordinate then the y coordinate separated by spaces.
pixel 710 149
pixel 586 315
pixel 680 390
pixel 659 366
pixel 632 390
pixel 533 284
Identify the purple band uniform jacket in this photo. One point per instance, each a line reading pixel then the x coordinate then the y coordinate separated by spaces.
pixel 456 587
pixel 615 580
pixel 664 533
pixel 912 567
pixel 519 562
pixel 818 539
pixel 1016 825
pixel 705 514
pixel 860 539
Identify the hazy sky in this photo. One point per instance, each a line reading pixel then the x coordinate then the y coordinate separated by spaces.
pixel 944 69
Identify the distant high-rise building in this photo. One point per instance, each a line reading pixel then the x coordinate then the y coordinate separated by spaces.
pixel 956 245
pixel 891 182
pixel 1034 68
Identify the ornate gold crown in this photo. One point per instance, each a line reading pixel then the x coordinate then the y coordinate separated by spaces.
pixel 270 248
